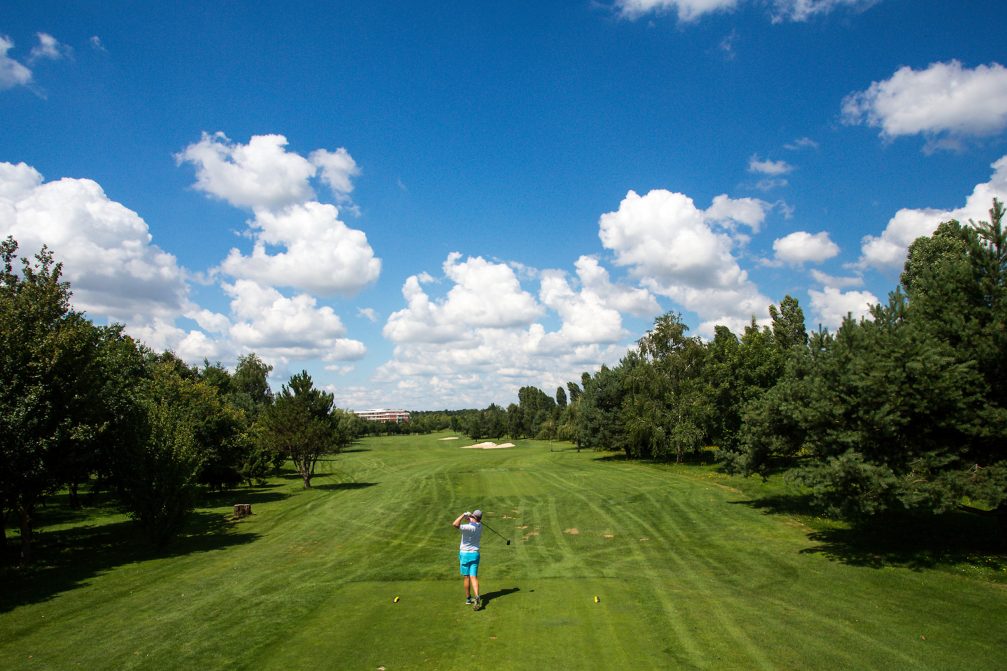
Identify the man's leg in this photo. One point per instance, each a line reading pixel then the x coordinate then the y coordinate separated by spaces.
pixel 468 588
pixel 477 602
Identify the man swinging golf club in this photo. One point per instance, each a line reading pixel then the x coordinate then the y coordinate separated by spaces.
pixel 468 554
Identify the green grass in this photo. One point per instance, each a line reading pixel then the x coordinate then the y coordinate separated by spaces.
pixel 693 570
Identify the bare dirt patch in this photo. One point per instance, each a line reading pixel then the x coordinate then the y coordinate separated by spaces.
pixel 574 531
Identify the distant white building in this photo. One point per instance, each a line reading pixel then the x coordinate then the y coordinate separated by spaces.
pixel 397 416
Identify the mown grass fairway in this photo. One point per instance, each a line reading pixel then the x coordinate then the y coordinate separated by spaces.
pixel 688 574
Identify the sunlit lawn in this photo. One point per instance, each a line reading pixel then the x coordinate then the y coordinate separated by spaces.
pixel 612 565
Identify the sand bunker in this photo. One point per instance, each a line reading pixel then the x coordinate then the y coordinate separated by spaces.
pixel 449 438
pixel 487 446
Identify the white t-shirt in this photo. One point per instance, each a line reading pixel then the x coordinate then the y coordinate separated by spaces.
pixel 471 534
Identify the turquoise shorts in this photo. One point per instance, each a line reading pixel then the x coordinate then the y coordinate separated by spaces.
pixel 469 562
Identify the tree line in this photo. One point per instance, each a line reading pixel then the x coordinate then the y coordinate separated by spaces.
pixel 84 405
pixel 903 409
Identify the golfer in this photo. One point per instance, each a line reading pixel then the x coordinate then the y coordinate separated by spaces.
pixel 468 554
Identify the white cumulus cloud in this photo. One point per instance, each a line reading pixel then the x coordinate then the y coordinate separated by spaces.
pixel 270 323
pixel 484 337
pixel 338 170
pixel 484 294
pixel 729 211
pixel 12 73
pixel 595 279
pixel 106 248
pixel 322 255
pixel 946 100
pixel 803 247
pixel 831 305
pixel 299 242
pixel 592 311
pixel 675 251
pixel 260 174
pixel 888 250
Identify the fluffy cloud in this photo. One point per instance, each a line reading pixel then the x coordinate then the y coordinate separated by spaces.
pixel 117 272
pixel 691 10
pixel 888 251
pixel 338 170
pixel 802 247
pixel 484 294
pixel 483 339
pixel 585 316
pixel 772 172
pixel 260 174
pixel 673 247
pixel 486 366
pixel 831 305
pixel 287 328
pixel 422 320
pixel 730 211
pixel 839 282
pixel 801 143
pixel 595 280
pixel 768 167
pixel 945 99
pixel 49 48
pixel 687 10
pixel 12 73
pixel 106 248
pixel 591 314
pixel 189 345
pixel 803 10
pixel 322 255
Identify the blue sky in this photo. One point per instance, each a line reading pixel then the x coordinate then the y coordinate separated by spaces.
pixel 429 205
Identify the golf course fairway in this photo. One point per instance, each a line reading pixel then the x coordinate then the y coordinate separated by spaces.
pixel 612 565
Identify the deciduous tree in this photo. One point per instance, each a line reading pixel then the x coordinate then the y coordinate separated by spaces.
pixel 300 426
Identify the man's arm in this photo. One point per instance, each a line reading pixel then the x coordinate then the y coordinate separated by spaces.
pixel 458 521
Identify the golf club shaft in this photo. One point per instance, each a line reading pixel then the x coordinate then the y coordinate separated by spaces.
pixel 496 532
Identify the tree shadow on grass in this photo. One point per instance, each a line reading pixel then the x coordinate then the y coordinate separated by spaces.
pixel 253 495
pixel 493 596
pixel 65 559
pixel 338 486
pixel 783 504
pixel 703 458
pixel 901 538
pixel 611 456
pixel 915 542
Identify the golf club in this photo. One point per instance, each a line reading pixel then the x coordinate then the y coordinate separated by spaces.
pixel 496 532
